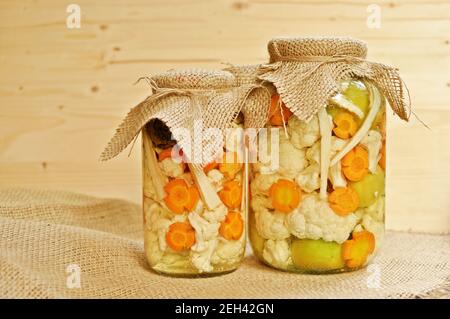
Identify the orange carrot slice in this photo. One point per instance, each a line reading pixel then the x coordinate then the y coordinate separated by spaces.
pixel 165 153
pixel 276 115
pixel 343 201
pixel 232 226
pixel 346 125
pixel 231 194
pixel 382 160
pixel 230 165
pixel 356 250
pixel 180 236
pixel 285 195
pixel 355 164
pixel 180 197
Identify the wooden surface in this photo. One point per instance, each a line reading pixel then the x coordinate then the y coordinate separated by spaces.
pixel 63 91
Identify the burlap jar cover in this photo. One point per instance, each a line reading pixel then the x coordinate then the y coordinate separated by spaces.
pixel 306 73
pixel 184 98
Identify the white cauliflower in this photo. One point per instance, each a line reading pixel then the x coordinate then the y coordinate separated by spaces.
pixel 376 210
pixel 269 225
pixel 216 178
pixel 201 258
pixel 291 159
pixel 204 230
pixel 373 142
pixel 205 241
pixel 335 176
pixel 151 247
pixel 217 215
pixel 268 151
pixel 174 263
pixel 321 222
pixel 171 168
pixel 313 153
pixel 302 133
pixel 261 183
pixel 309 178
pixel 277 253
pixel 375 227
pixel 228 252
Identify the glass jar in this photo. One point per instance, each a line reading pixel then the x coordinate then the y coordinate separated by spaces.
pixel 194 215
pixel 315 213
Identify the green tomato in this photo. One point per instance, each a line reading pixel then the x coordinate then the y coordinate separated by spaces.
pixel 358 94
pixel 369 188
pixel 316 255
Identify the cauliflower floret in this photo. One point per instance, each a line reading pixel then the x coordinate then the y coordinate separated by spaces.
pixel 335 176
pixel 321 222
pixel 292 160
pixel 309 178
pixel 372 142
pixel 171 168
pixel 217 215
pixel 205 241
pixel 313 153
pixel 151 247
pixel 174 262
pixel 269 225
pixel 302 133
pixel 375 227
pixel 261 183
pixel 204 230
pixel 376 210
pixel 216 178
pixel 277 253
pixel 228 252
pixel 201 258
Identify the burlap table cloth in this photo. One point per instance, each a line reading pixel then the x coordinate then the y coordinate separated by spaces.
pixel 43 232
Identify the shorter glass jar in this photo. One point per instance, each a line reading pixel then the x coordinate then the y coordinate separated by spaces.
pixel 183 237
pixel 301 223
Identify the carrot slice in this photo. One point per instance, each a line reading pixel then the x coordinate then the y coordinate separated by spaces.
pixel 276 115
pixel 285 195
pixel 231 194
pixel 382 160
pixel 232 226
pixel 343 201
pixel 180 197
pixel 355 164
pixel 230 167
pixel 210 167
pixel 180 236
pixel 356 250
pixel 346 125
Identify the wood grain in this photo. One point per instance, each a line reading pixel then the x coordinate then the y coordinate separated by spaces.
pixel 63 91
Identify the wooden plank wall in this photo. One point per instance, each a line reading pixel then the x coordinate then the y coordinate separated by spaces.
pixel 63 91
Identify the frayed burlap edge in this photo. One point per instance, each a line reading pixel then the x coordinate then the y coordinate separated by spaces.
pixel 190 97
pixel 306 73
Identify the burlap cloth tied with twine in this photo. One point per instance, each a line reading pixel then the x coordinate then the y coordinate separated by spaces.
pixel 306 73
pixel 45 235
pixel 186 98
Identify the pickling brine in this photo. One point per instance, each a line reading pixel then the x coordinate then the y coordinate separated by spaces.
pixel 322 209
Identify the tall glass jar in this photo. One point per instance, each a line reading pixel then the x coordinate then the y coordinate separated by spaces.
pixel 194 215
pixel 321 210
